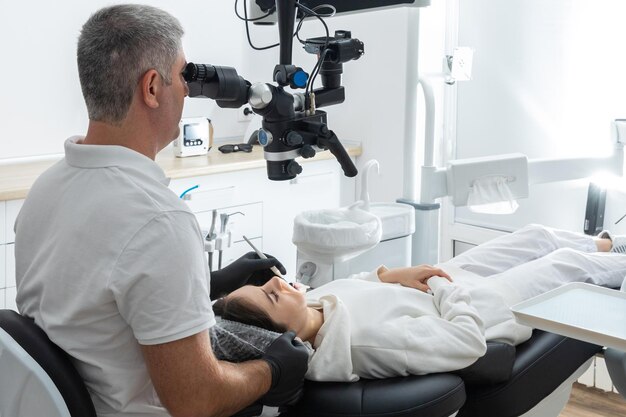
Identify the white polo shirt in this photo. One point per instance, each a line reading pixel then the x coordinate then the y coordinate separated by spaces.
pixel 107 258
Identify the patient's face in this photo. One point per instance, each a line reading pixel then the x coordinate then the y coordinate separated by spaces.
pixel 284 304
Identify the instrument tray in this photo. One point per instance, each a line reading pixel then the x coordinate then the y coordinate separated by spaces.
pixel 581 311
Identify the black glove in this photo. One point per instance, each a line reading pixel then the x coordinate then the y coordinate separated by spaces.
pixel 247 270
pixel 289 360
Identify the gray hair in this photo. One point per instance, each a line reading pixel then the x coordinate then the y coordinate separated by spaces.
pixel 116 46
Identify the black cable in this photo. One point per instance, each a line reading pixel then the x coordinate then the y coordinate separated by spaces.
pixel 319 17
pixel 269 12
pixel 246 19
pixel 298 30
pixel 245 12
pixel 334 11
pixel 316 70
pixel 308 12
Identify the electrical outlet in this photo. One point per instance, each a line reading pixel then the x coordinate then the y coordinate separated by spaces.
pixel 245 114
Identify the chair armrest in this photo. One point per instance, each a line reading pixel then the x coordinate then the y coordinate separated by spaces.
pixel 495 366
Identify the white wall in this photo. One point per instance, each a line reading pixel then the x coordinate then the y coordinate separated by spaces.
pixel 548 79
pixel 40 99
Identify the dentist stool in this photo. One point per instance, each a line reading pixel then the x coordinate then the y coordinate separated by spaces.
pixel 36 376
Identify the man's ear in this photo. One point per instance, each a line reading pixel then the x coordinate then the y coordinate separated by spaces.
pixel 149 85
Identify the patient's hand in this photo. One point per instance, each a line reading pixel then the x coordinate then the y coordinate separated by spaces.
pixel 413 277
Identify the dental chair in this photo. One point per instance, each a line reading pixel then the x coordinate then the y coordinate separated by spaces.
pixel 434 395
pixel 616 363
pixel 540 384
pixel 533 379
pixel 36 376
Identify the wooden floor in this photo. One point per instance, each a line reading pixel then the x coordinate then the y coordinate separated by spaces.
pixel 591 402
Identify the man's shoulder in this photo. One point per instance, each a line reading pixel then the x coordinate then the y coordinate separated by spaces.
pixel 108 200
pixel 104 188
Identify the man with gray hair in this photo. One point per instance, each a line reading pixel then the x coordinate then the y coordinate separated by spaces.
pixel 110 263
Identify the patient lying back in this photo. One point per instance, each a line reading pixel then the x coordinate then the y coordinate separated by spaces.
pixel 377 324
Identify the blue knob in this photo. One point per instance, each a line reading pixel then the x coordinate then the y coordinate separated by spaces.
pixel 264 137
pixel 300 78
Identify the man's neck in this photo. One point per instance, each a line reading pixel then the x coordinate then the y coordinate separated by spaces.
pixel 100 133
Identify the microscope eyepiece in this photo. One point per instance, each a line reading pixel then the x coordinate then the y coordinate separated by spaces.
pixel 198 72
pixel 222 84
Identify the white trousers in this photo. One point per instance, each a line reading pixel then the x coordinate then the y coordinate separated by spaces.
pixel 536 259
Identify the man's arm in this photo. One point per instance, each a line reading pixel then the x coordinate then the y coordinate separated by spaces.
pixel 191 382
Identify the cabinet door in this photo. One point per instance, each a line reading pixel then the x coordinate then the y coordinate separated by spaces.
pixel 3 267
pixel 13 207
pixel 221 190
pixel 9 299
pixel 2 222
pixel 10 265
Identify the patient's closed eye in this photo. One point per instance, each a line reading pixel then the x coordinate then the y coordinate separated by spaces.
pixel 269 294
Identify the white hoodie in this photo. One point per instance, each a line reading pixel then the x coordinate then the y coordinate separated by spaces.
pixel 377 330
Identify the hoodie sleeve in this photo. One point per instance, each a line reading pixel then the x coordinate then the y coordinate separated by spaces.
pixel 429 343
pixel 371 276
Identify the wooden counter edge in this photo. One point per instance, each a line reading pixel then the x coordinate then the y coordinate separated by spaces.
pixel 16 179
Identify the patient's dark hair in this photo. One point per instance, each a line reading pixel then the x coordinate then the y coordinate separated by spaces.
pixel 241 310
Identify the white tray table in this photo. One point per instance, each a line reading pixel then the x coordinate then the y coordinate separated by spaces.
pixel 581 311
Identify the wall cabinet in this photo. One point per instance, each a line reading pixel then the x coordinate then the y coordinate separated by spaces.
pixel 2 273
pixel 2 222
pixel 12 209
pixel 8 214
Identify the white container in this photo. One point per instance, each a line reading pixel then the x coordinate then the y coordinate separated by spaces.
pixel 393 250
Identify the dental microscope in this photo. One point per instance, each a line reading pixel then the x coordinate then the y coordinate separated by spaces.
pixel 292 124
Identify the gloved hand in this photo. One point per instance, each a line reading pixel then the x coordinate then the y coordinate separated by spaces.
pixel 247 270
pixel 288 359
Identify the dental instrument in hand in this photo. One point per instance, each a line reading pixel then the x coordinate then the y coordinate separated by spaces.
pixel 262 256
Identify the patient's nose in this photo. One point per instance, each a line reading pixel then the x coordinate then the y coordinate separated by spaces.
pixel 273 284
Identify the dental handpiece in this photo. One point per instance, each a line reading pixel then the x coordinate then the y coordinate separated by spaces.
pixel 262 256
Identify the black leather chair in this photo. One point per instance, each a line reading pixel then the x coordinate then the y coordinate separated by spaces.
pixel 507 382
pixel 541 365
pixel 435 395
pixel 22 333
